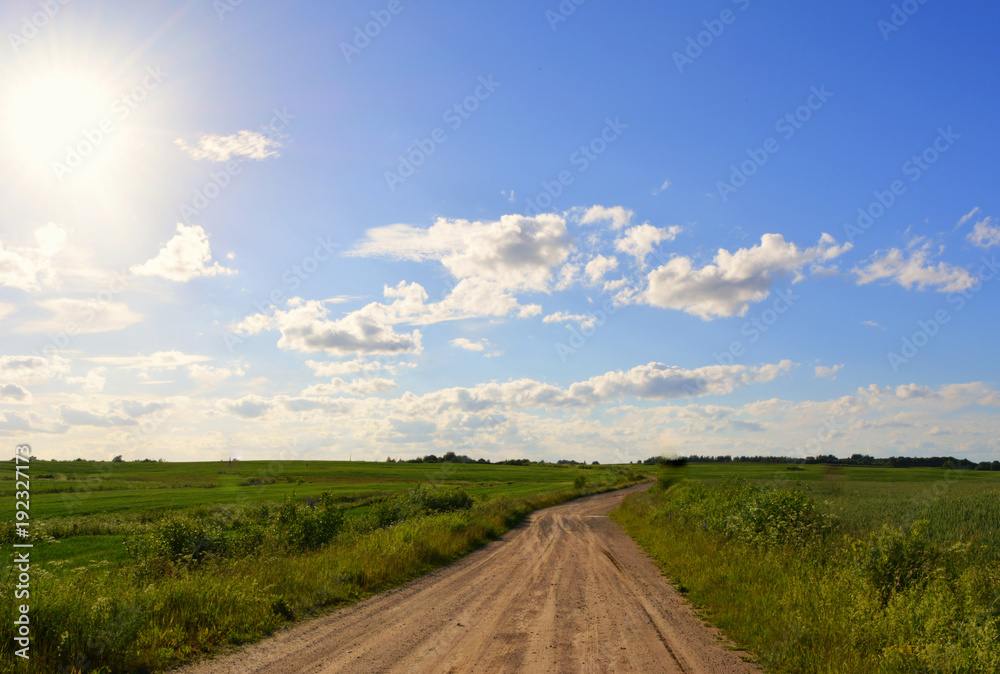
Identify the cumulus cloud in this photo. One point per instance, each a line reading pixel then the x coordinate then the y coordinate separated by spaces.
pixel 14 393
pixel 654 381
pixel 248 407
pixel 823 371
pixel 32 268
pixel 984 234
pixel 469 345
pixel 516 252
pixel 305 326
pixel 335 368
pixel 184 257
pixel 913 269
pixel 640 241
pixel 734 280
pixel 209 378
pixel 84 416
pixel 599 266
pixel 31 370
pixel 86 316
pixel 584 321
pixel 93 382
pixel 243 144
pixel 618 216
pixel 355 387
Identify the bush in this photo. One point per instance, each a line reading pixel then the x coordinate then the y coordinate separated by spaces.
pixel 580 482
pixel 893 560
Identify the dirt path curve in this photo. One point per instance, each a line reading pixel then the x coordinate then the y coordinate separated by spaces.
pixel 565 591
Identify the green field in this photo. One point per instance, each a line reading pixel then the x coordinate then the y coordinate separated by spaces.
pixel 140 566
pixel 818 568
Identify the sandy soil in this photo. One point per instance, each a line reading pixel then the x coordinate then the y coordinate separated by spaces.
pixel 565 591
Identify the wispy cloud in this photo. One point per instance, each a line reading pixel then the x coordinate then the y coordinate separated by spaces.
pixel 243 144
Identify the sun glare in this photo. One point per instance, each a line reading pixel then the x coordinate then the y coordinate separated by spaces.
pixel 46 113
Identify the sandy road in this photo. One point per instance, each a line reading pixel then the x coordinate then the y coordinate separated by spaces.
pixel 565 591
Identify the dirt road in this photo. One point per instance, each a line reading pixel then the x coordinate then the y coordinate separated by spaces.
pixel 565 591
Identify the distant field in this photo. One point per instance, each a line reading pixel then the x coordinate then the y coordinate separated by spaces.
pixel 834 568
pixel 139 566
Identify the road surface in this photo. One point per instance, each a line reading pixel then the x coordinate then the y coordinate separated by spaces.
pixel 565 591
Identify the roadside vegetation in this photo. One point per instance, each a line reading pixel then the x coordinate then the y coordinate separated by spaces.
pixel 834 569
pixel 140 589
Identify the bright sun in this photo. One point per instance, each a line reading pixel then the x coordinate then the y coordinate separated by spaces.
pixel 45 113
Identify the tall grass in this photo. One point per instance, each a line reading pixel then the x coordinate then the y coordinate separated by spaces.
pixel 200 582
pixel 789 580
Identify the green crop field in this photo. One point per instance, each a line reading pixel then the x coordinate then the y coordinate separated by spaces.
pixel 819 568
pixel 138 566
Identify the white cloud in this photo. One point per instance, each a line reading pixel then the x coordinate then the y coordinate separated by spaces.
pixel 32 369
pixel 14 393
pixel 823 371
pixel 734 280
pixel 515 252
pixel 247 407
pixel 6 309
pixel 968 216
pixel 599 266
pixel 210 378
pixel 584 321
pixel 619 216
pixel 469 345
pixel 368 330
pixel 248 144
pixel 32 268
pixel 335 368
pixel 662 187
pixel 654 381
pixel 93 382
pixel 305 327
pixel 640 241
pixel 984 234
pixel 183 257
pixel 914 269
pixel 76 316
pixel 873 324
pixel 355 387
pixel 159 360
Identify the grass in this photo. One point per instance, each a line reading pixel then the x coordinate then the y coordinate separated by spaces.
pixel 170 562
pixel 834 570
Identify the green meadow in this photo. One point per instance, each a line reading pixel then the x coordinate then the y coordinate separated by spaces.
pixel 818 568
pixel 140 566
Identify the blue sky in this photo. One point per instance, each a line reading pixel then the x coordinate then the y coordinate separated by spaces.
pixel 517 229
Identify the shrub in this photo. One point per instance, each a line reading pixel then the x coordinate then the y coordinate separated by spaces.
pixel 580 482
pixel 893 559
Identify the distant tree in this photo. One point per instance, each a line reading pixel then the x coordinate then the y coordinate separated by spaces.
pixel 117 459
